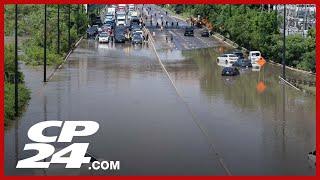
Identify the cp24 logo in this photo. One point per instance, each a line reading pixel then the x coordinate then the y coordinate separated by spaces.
pixel 69 129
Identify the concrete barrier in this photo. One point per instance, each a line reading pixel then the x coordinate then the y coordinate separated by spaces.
pixel 65 59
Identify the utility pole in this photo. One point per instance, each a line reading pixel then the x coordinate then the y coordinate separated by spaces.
pixel 16 75
pixel 229 10
pixel 284 44
pixel 45 45
pixel 78 13
pixel 69 24
pixel 276 18
pixel 58 45
pixel 306 18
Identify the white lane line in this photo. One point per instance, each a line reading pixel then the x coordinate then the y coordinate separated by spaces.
pixel 203 130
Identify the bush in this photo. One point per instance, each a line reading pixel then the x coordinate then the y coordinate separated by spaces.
pixel 31 23
pixel 9 65
pixel 34 56
pixel 24 96
pixel 24 93
pixel 308 62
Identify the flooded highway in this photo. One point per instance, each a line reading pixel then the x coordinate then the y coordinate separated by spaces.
pixel 142 121
pixel 153 128
pixel 182 118
pixel 257 124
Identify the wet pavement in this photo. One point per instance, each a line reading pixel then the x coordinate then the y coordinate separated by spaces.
pixel 179 41
pixel 200 123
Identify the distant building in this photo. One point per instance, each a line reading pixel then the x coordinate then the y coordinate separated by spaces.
pixel 300 17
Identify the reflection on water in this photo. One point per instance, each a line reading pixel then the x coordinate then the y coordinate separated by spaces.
pixel 258 126
pixel 272 125
pixel 142 122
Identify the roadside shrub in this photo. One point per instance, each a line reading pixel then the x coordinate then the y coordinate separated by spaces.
pixel 308 62
pixel 34 56
pixel 9 64
pixel 31 24
pixel 24 96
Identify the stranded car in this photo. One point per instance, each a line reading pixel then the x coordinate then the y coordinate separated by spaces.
pixel 92 32
pixel 205 33
pixel 254 56
pixel 230 71
pixel 239 54
pixel 227 58
pixel 136 39
pixel 103 37
pixel 188 31
pixel 242 63
pixel 119 38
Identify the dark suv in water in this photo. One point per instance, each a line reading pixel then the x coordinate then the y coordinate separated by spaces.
pixel 242 63
pixel 239 54
pixel 230 71
pixel 188 31
pixel 205 33
pixel 119 38
pixel 119 35
pixel 92 32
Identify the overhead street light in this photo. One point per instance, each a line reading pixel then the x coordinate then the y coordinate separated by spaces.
pixel 69 24
pixel 16 74
pixel 58 26
pixel 45 45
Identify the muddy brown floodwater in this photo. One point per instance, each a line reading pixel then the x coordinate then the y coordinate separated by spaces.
pixel 257 125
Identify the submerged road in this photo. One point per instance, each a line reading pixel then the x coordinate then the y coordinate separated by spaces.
pixel 197 124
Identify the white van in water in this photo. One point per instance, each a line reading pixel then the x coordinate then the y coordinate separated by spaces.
pixel 134 14
pixel 121 19
pixel 131 7
pixel 254 56
pixel 111 10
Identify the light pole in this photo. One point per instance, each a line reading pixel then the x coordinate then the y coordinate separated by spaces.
pixel 45 45
pixel 306 18
pixel 69 24
pixel 16 75
pixel 276 18
pixel 58 45
pixel 284 44
pixel 78 14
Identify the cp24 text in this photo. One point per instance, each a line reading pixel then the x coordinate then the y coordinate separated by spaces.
pixel 76 151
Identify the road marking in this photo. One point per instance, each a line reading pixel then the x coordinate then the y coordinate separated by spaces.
pixel 203 130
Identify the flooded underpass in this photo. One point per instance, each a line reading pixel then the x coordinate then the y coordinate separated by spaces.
pixel 155 126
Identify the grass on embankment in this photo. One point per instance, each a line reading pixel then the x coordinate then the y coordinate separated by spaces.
pixel 24 96
pixel 24 93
